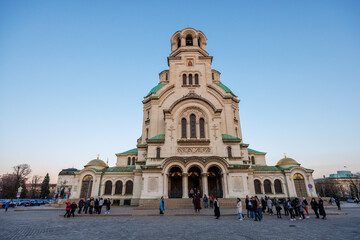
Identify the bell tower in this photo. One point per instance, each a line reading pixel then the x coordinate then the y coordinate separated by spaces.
pixel 188 40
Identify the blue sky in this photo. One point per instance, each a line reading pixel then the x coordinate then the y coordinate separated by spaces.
pixel 73 74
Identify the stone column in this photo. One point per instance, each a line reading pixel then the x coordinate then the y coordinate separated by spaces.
pixel 166 188
pixel 112 189
pixel 123 189
pixel 205 184
pixel 185 185
pixel 262 188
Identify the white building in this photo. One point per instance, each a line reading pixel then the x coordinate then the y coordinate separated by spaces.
pixel 191 138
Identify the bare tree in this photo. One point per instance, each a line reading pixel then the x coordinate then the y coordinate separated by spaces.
pixel 35 186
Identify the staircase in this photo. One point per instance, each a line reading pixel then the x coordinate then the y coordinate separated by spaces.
pixel 183 203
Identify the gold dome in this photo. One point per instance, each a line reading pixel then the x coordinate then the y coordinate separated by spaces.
pixel 287 162
pixel 96 163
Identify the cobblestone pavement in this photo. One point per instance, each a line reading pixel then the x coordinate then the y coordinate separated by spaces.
pixel 49 225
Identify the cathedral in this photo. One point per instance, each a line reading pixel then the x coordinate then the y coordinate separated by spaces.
pixel 191 139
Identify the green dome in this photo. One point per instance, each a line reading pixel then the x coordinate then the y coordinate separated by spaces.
pixel 287 161
pixel 96 163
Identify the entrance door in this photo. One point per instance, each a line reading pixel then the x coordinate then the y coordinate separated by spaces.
pixel 175 183
pixel 214 182
pixel 86 186
pixel 194 180
pixel 300 187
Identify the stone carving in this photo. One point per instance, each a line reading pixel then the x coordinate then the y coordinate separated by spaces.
pixel 214 128
pixel 191 150
pixel 153 184
pixel 171 129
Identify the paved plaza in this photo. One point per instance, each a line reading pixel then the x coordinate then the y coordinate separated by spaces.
pixel 47 224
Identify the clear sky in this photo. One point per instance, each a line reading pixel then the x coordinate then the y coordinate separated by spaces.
pixel 73 75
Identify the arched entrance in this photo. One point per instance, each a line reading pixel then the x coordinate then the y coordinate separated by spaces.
pixel 86 186
pixel 194 179
pixel 175 183
pixel 215 182
pixel 300 187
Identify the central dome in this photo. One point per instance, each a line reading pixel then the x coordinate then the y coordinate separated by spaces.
pixel 287 162
pixel 96 163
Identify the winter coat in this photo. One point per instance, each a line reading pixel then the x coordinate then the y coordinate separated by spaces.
pixel 269 203
pixel 73 206
pixel 247 206
pixel 254 205
pixel 87 203
pixel 81 203
pixel 162 205
pixel 68 206
pixel 205 199
pixel 217 208
pixel 314 205
pixel 101 202
pixel 301 206
pixel 321 207
pixel 277 204
pixel 239 207
pixel 197 203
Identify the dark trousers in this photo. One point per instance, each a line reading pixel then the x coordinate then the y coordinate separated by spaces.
pixel 316 213
pixel 91 210
pixel 301 214
pixel 296 212
pixel 278 212
pixel 291 211
pixel 67 214
pixel 161 212
pixel 286 211
pixel 99 209
pixel 72 213
pixel 80 208
pixel 257 217
pixel 86 209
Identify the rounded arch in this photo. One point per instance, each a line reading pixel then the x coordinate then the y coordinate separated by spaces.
pixel 193 164
pixel 118 187
pixel 129 185
pixel 278 186
pixel 86 185
pixel 193 98
pixel 108 187
pixel 300 186
pixel 175 182
pixel 267 186
pixel 257 186
pixel 172 162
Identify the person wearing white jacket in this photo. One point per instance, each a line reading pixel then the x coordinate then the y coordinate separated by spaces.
pixel 239 209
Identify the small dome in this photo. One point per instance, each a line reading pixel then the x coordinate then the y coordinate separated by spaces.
pixel 287 162
pixel 96 163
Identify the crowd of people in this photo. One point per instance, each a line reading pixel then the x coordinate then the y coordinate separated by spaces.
pixel 87 205
pixel 296 207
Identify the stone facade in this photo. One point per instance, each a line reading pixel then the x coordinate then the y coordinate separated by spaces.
pixel 191 138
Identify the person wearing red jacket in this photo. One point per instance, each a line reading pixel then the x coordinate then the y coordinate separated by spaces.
pixel 68 208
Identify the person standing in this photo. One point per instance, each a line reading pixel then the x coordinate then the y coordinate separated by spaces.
pixel 239 209
pixel 91 205
pixel 191 193
pixel 101 203
pixel 216 208
pixel 284 203
pixel 87 205
pixel 321 209
pixel 96 205
pixel 315 207
pixel 162 205
pixel 67 208
pixel 291 209
pixel 7 205
pixel 197 203
pixel 211 201
pixel 259 207
pixel 107 206
pixel 270 206
pixel 301 207
pixel 254 205
pixel 73 207
pixel 337 201
pixel 81 205
pixel 277 207
pixel 206 201
pixel 263 203
pixel 247 206
pixel 306 207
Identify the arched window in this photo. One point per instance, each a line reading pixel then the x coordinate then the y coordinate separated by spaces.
pixel 229 151
pixel 166 77
pixel 192 126
pixel 277 186
pixel 212 76
pixel 190 79
pixel 158 152
pixel 300 185
pixel 267 186
pixel 129 161
pixel 129 187
pixel 257 185
pixel 118 187
pixel 196 79
pixel 183 128
pixel 199 42
pixel 236 131
pixel 202 128
pixel 189 40
pixel 108 188
pixel 86 186
pixel 133 161
pixel 252 160
pixel 184 79
pixel 179 42
pixel 147 133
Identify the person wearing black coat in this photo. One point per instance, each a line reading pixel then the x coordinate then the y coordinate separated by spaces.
pixel 321 209
pixel 247 206
pixel 254 205
pixel 315 207
pixel 81 205
pixel 96 205
pixel 73 207
pixel 216 208
pixel 337 201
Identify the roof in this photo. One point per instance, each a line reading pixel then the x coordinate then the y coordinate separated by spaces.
pixel 229 137
pixel 225 88
pixel 255 151
pixel 134 150
pixel 121 169
pixel 258 168
pixel 157 138
pixel 68 171
pixel 155 89
pixel 287 161
pixel 96 162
